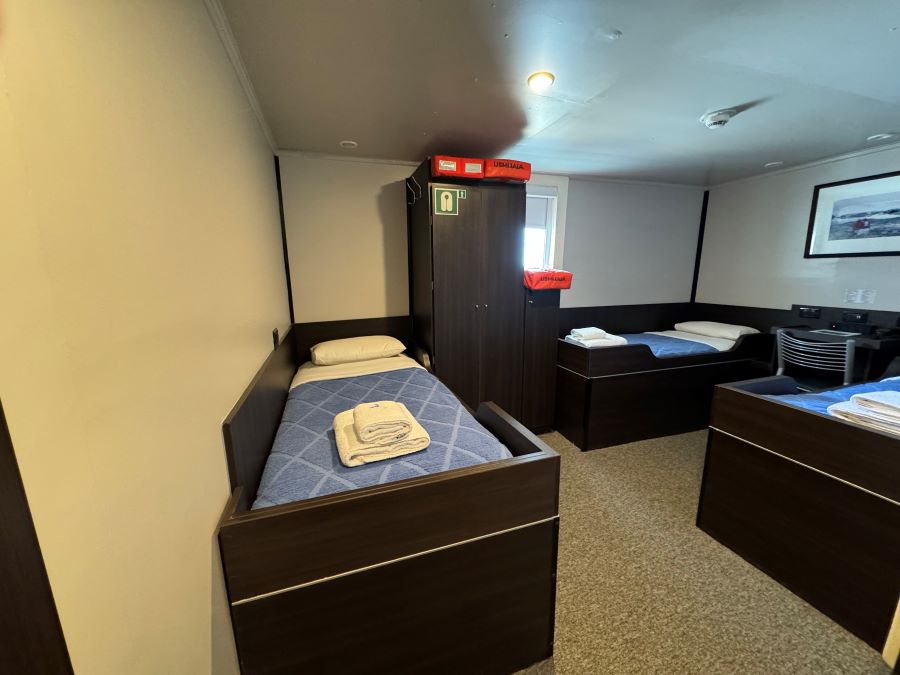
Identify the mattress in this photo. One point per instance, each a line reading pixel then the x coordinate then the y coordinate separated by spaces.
pixel 304 461
pixel 665 345
pixel 819 401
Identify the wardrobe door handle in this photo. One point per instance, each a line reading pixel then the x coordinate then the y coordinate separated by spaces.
pixel 477 306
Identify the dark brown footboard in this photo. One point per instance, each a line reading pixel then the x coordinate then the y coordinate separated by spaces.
pixel 455 571
pixel 622 394
pixel 812 501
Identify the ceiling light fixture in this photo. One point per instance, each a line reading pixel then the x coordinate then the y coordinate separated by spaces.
pixel 874 138
pixel 773 165
pixel 541 80
pixel 349 145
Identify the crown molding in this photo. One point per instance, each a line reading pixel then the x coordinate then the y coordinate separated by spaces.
pixel 587 178
pixel 343 158
pixel 809 165
pixel 220 22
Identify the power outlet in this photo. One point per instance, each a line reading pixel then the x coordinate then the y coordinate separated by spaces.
pixel 854 317
pixel 810 312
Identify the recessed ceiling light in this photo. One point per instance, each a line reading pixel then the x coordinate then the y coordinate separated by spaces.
pixel 773 165
pixel 348 145
pixel 874 138
pixel 541 80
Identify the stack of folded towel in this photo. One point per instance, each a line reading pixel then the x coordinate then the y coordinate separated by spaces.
pixel 594 337
pixel 879 410
pixel 372 432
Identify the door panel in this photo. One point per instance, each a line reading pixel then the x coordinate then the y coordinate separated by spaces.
pixel 503 236
pixel 457 280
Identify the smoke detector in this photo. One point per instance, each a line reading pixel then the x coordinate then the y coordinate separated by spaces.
pixel 718 119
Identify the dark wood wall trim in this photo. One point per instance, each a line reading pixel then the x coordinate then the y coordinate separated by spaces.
pixel 308 334
pixel 284 244
pixel 699 254
pixel 662 316
pixel 623 318
pixel 31 638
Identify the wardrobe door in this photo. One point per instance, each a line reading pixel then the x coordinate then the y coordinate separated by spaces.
pixel 503 234
pixel 457 253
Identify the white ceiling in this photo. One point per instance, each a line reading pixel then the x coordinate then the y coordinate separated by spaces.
pixel 409 78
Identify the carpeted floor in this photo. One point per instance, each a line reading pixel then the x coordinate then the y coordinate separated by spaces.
pixel 642 590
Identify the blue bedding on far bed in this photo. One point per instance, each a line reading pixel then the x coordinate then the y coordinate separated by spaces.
pixel 665 346
pixel 819 401
pixel 304 460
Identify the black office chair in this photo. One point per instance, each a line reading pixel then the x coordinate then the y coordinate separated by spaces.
pixel 810 356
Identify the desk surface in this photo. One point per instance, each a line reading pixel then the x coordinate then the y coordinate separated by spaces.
pixel 864 341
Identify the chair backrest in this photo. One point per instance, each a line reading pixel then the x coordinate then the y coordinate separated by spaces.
pixel 833 356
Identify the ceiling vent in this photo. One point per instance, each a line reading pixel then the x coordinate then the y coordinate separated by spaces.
pixel 718 119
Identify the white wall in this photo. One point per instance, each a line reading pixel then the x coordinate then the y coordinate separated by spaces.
pixel 140 279
pixel 630 243
pixel 346 232
pixel 756 235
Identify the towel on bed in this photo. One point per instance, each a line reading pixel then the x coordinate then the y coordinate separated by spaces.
pixel 589 333
pixel 886 403
pixel 382 421
pixel 354 452
pixel 608 341
pixel 851 411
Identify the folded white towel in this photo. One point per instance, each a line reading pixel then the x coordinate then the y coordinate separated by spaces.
pixel 851 411
pixel 589 333
pixel 382 421
pixel 353 452
pixel 608 341
pixel 885 403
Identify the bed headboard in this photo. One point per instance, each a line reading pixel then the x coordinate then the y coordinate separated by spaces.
pixel 308 334
pixel 251 425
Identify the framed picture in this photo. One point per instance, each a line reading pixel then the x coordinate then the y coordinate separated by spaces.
pixel 859 217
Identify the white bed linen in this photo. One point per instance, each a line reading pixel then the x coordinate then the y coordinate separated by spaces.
pixel 309 372
pixel 721 344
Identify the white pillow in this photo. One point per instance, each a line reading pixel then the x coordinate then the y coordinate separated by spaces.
pixel 348 350
pixel 715 329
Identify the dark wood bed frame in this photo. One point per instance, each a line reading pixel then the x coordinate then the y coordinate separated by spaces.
pixel 448 573
pixel 812 501
pixel 622 394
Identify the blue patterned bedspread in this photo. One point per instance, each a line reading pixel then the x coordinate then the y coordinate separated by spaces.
pixel 665 346
pixel 304 460
pixel 819 401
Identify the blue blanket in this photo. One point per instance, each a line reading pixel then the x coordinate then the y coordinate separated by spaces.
pixel 665 346
pixel 304 460
pixel 819 401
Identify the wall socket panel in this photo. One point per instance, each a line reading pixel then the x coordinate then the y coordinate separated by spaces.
pixel 810 312
pixel 854 317
pixel 860 296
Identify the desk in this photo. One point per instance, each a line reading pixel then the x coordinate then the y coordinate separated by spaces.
pixel 877 352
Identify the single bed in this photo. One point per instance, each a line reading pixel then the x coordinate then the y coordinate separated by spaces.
pixel 811 500
pixel 659 384
pixel 441 561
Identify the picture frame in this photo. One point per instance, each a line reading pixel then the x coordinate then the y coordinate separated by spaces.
pixel 855 218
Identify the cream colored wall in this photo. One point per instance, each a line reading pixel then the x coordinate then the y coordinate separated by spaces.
pixel 630 243
pixel 346 234
pixel 756 234
pixel 140 278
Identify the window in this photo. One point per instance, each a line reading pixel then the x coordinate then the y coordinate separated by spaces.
pixel 540 226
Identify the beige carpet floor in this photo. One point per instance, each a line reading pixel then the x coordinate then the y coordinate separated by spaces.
pixel 642 590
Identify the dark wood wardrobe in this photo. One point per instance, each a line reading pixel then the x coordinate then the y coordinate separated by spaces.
pixel 466 293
